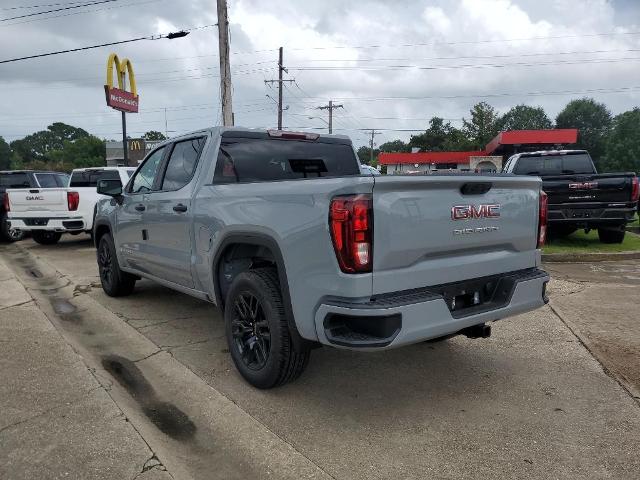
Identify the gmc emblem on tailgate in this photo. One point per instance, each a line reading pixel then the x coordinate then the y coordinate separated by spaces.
pixel 583 185
pixel 466 212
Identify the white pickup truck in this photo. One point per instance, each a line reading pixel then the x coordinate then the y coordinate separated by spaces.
pixel 49 212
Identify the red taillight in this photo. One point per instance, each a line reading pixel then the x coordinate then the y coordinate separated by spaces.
pixel 73 199
pixel 5 202
pixel 635 190
pixel 542 219
pixel 351 226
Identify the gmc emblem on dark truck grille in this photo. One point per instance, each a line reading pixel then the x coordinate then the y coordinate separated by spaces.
pixel 466 212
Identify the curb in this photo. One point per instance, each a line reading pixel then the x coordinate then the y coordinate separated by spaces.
pixel 589 257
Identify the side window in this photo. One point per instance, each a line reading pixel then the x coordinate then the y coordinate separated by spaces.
pixel 143 181
pixel 182 163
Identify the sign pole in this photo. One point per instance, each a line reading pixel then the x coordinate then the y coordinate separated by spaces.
pixel 125 147
pixel 124 126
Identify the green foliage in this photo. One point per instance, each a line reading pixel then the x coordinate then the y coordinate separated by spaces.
pixel 622 151
pixel 440 137
pixel 395 146
pixel 5 155
pixel 593 120
pixel 61 147
pixel 364 155
pixel 154 135
pixel 524 117
pixel 483 125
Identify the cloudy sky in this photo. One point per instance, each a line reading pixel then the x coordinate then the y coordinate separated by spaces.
pixel 392 64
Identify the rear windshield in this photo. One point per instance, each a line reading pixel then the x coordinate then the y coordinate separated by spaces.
pixel 554 165
pixel 90 178
pixel 51 180
pixel 14 180
pixel 256 159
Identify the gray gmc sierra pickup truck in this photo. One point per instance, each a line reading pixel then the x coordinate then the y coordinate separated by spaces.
pixel 298 248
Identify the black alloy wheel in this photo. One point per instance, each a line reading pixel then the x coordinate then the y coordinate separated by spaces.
pixel 105 264
pixel 115 282
pixel 250 331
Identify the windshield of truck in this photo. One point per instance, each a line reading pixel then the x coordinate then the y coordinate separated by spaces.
pixel 554 164
pixel 256 159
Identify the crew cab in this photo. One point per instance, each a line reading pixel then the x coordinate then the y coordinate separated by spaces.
pixel 578 196
pixel 23 179
pixel 284 233
pixel 49 212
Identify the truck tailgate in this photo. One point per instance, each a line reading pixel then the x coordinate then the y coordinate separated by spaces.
pixel 418 242
pixel 31 201
pixel 608 188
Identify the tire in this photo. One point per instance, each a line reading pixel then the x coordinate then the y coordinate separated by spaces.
pixel 6 233
pixel 115 282
pixel 258 333
pixel 611 235
pixel 45 237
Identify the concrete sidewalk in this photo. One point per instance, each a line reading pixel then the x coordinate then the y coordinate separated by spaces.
pixel 56 420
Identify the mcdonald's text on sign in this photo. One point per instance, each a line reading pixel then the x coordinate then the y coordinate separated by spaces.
pixel 119 98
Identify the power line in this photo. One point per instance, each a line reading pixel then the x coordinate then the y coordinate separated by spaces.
pixel 24 7
pixel 149 37
pixel 33 14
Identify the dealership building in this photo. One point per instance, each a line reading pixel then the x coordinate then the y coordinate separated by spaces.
pixel 489 159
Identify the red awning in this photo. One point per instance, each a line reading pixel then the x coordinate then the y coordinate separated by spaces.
pixel 427 157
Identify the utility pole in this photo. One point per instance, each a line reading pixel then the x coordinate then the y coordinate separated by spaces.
pixel 373 134
pixel 330 107
pixel 280 81
pixel 166 129
pixel 225 69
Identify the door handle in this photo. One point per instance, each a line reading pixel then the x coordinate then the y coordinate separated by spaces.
pixel 180 208
pixel 140 207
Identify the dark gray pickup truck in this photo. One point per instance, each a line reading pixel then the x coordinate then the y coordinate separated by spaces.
pixel 284 233
pixel 578 196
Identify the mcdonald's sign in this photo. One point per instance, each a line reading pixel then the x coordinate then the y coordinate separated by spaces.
pixel 119 98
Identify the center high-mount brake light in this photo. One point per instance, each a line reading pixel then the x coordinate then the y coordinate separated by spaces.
pixel 543 213
pixel 351 225
pixel 293 135
pixel 73 199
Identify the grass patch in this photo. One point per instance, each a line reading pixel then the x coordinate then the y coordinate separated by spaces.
pixel 580 242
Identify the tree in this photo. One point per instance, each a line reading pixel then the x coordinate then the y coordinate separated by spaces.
pixel 35 147
pixel 154 135
pixel 5 155
pixel 622 151
pixel 84 152
pixel 483 125
pixel 440 136
pixel 524 117
pixel 593 121
pixel 364 155
pixel 394 146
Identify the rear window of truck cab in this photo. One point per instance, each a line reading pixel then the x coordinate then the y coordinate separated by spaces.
pixel 561 164
pixel 242 159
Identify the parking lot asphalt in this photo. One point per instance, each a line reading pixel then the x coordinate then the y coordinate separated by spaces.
pixel 533 401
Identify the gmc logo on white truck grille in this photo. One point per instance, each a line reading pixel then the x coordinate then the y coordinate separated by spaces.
pixel 466 212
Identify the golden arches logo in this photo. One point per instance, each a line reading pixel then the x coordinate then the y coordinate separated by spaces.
pixel 119 97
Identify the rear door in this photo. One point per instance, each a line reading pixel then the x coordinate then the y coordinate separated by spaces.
pixel 131 232
pixel 168 216
pixel 430 230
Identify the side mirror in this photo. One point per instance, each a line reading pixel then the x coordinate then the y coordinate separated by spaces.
pixel 112 188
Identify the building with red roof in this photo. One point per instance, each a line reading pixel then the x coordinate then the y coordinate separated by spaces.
pixel 489 159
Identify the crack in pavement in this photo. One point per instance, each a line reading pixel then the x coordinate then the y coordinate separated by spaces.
pixel 17 305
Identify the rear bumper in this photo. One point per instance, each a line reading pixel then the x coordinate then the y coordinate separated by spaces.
pixel 585 215
pixel 403 318
pixel 55 224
